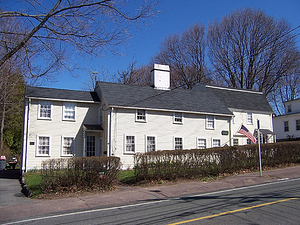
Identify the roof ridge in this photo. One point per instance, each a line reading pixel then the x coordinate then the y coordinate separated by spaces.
pixel 235 89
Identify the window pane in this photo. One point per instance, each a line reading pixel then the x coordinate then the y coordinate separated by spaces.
pixel 141 115
pixel 286 126
pixel 249 118
pixel 69 111
pixel 130 144
pixel 43 146
pixel 150 144
pixel 178 144
pixel 235 142
pixel 210 122
pixel 45 109
pixel 201 143
pixel 216 143
pixel 68 146
pixel 178 117
pixel 298 124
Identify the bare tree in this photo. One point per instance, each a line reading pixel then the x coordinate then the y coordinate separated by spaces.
pixel 185 54
pixel 251 50
pixel 94 76
pixel 133 75
pixel 53 28
pixel 287 89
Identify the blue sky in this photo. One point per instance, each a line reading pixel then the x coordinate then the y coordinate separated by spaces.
pixel 175 17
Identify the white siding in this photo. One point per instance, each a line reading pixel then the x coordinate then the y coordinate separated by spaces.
pixel 56 128
pixel 279 126
pixel 240 117
pixel 160 124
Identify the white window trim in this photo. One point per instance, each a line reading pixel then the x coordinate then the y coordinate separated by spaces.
pixel 174 144
pixel 39 110
pixel 206 123
pixel 212 142
pixel 248 113
pixel 126 152
pixel 174 118
pixel 146 142
pixel 37 146
pixel 62 146
pixel 139 120
pixel 63 114
pixel 197 147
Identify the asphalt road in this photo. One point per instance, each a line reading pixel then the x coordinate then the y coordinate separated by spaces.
pixel 270 203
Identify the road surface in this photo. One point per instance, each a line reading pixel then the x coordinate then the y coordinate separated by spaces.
pixel 270 203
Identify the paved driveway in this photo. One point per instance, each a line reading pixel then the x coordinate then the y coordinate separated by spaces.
pixel 10 188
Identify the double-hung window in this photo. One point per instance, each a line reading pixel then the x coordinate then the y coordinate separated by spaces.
pixel 297 124
pixel 129 145
pixel 178 143
pixel 140 115
pixel 151 144
pixel 216 143
pixel 210 122
pixel 235 142
pixel 286 126
pixel 45 108
pixel 43 146
pixel 178 117
pixel 289 108
pixel 68 146
pixel 249 118
pixel 69 111
pixel 201 143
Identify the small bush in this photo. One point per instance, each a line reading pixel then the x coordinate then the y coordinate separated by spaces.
pixel 79 173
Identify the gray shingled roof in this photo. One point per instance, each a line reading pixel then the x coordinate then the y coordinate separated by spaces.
pixel 60 94
pixel 150 98
pixel 241 99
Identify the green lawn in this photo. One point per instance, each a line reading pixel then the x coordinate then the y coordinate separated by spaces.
pixel 33 180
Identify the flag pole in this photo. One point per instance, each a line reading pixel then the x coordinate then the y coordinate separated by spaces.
pixel 259 149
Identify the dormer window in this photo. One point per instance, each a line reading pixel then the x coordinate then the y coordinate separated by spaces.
pixel 140 115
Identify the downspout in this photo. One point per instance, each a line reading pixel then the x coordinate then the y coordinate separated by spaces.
pixel 25 136
pixel 110 132
pixel 230 132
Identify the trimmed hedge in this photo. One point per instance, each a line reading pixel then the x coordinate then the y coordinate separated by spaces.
pixel 79 173
pixel 195 163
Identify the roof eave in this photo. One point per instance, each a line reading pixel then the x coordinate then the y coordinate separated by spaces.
pixel 171 110
pixel 61 100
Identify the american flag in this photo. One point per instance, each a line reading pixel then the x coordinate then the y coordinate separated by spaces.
pixel 246 132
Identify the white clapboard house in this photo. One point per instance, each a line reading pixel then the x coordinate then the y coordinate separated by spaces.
pixel 121 120
pixel 287 126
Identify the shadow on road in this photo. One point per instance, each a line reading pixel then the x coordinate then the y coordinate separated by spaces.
pixel 10 174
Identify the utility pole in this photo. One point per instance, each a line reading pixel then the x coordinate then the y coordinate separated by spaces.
pixel 259 148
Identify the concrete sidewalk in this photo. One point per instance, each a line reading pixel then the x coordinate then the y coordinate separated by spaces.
pixel 125 195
